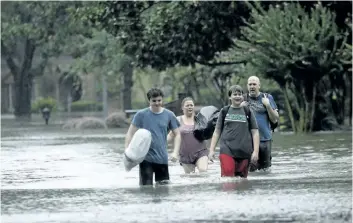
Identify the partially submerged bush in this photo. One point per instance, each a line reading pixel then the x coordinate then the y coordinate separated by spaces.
pixel 85 123
pixel 116 120
pixel 91 123
pixel 71 124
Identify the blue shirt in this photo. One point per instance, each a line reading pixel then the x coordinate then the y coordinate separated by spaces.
pixel 159 125
pixel 263 122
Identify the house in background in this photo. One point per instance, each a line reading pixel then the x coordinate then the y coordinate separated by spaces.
pixel 46 85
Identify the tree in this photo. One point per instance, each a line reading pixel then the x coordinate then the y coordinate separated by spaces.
pixel 101 54
pixel 31 30
pixel 297 50
pixel 164 34
pixel 347 63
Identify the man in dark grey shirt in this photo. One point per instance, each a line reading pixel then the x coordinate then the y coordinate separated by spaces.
pixel 239 136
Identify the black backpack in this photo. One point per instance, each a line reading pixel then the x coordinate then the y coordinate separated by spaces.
pixel 272 125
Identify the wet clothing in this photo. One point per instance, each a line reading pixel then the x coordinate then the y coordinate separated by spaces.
pixel 158 124
pixel 231 166
pixel 261 114
pixel 236 144
pixel 147 169
pixel 263 122
pixel 191 149
pixel 236 137
pixel 156 160
pixel 264 160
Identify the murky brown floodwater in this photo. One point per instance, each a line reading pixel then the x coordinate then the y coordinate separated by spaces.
pixel 51 175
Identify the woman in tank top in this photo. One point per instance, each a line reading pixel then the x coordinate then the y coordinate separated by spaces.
pixel 192 153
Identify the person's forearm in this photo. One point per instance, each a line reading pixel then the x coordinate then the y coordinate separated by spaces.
pixel 177 141
pixel 170 136
pixel 256 140
pixel 214 140
pixel 127 139
pixel 273 114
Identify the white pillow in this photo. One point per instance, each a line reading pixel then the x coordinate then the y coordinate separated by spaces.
pixel 137 149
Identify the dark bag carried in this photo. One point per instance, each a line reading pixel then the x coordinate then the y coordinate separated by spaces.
pixel 205 122
pixel 272 125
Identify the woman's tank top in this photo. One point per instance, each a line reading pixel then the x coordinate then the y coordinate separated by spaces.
pixel 189 144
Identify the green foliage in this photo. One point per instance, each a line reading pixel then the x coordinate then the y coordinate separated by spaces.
pixel 163 34
pixel 42 103
pixel 83 106
pixel 45 24
pixel 347 51
pixel 287 39
pixel 100 53
pixel 297 49
pixel 31 34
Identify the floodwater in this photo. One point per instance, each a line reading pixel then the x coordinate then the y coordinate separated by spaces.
pixel 53 175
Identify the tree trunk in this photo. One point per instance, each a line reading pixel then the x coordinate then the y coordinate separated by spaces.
pixel 300 128
pixel 313 109
pixel 197 88
pixel 217 83
pixel 23 79
pixel 105 96
pixel 127 71
pixel 350 108
pixel 140 82
pixel 23 95
pixel 10 98
pixel 289 108
pixel 299 108
pixel 196 83
pixel 305 109
pixel 68 104
pixel 349 76
pixel 57 95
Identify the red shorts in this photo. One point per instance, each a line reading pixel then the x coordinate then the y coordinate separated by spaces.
pixel 231 167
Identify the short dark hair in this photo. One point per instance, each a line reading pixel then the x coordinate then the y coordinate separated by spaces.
pixel 186 99
pixel 235 88
pixel 154 92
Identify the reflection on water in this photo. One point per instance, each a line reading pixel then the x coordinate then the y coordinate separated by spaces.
pixel 53 176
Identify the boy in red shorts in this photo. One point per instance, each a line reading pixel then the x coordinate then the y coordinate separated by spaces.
pixel 239 136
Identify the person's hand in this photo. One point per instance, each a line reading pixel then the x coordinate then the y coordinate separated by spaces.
pixel 265 100
pixel 211 155
pixel 244 103
pixel 174 157
pixel 254 157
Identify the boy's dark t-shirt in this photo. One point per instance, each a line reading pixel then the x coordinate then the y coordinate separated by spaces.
pixel 236 139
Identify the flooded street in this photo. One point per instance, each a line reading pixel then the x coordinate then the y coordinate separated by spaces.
pixel 54 175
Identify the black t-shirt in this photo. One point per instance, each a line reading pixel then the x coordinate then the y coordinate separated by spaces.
pixel 236 140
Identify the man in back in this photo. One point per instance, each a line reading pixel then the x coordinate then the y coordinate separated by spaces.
pixel 265 109
pixel 158 121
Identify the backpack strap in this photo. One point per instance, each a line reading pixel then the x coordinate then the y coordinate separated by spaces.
pixel 247 113
pixel 224 112
pixel 248 116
